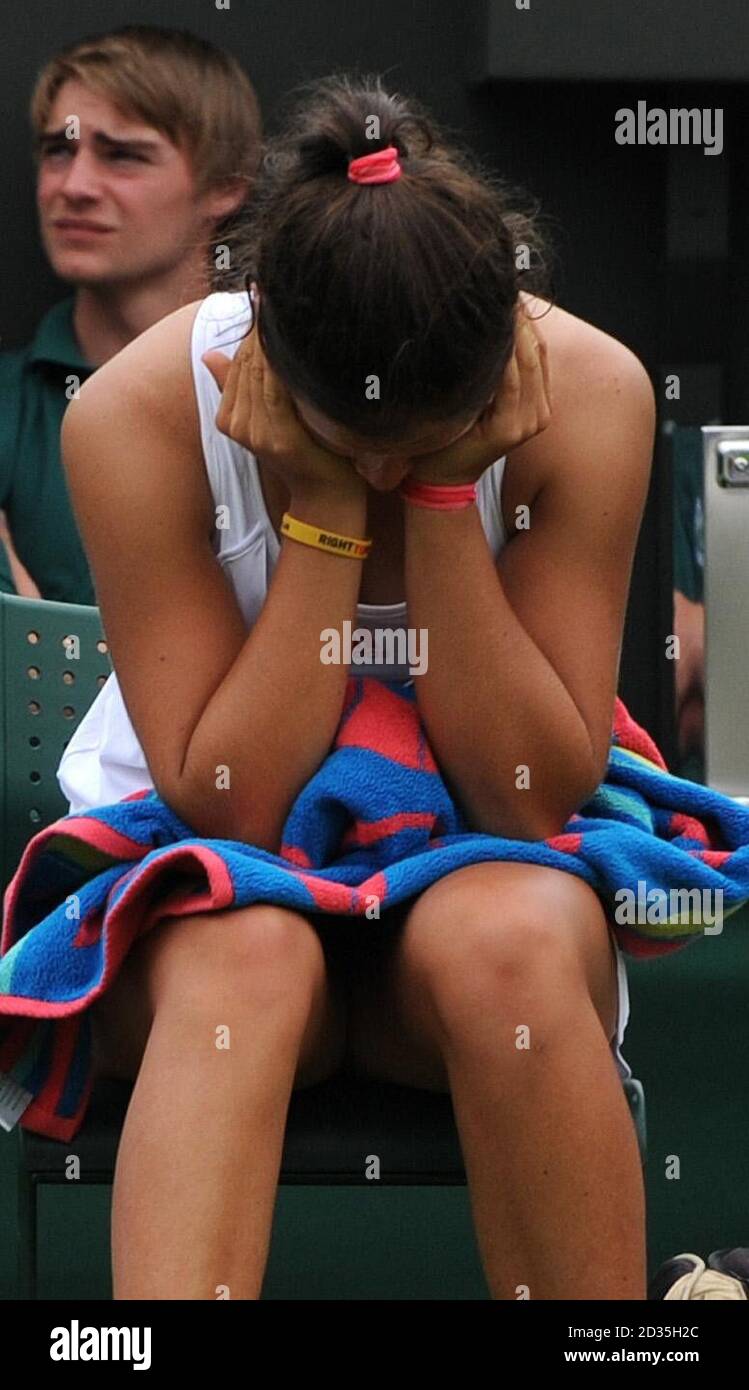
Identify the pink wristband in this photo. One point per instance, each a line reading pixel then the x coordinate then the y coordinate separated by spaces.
pixel 443 498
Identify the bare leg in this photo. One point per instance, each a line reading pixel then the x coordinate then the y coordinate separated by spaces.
pixel 198 1161
pixel 550 1149
pixel 555 1179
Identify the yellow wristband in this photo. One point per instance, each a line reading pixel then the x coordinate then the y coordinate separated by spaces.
pixel 348 547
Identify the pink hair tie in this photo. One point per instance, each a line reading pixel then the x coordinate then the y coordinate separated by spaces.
pixel 444 498
pixel 381 166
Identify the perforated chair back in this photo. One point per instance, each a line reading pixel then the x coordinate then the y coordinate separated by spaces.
pixel 53 662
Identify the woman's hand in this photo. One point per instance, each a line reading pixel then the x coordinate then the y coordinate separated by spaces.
pixel 258 412
pixel 520 409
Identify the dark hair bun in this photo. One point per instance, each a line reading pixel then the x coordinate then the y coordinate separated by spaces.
pixel 351 117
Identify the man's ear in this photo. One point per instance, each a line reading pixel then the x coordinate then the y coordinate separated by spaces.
pixel 227 198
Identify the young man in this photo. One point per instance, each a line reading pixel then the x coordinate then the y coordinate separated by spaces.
pixel 147 141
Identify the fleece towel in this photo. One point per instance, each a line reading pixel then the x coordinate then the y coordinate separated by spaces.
pixel 375 825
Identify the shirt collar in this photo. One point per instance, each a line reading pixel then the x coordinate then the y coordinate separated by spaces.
pixel 55 340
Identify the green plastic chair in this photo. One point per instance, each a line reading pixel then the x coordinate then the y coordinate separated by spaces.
pixel 331 1127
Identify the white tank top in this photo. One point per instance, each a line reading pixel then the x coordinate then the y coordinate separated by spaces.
pixel 104 760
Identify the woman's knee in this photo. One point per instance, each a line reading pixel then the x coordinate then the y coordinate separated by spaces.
pixel 496 942
pixel 262 953
pixel 264 959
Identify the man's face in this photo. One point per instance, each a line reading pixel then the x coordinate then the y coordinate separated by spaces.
pixel 119 203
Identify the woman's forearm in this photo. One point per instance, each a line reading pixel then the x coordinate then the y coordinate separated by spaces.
pixel 490 701
pixel 271 721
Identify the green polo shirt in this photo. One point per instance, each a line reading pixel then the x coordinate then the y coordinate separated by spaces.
pixel 33 488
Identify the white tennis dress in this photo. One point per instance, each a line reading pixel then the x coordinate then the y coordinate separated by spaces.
pixel 104 760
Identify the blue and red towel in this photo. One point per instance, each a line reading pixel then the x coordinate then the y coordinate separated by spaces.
pixel 374 825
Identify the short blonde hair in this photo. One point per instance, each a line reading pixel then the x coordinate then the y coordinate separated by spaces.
pixel 194 93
